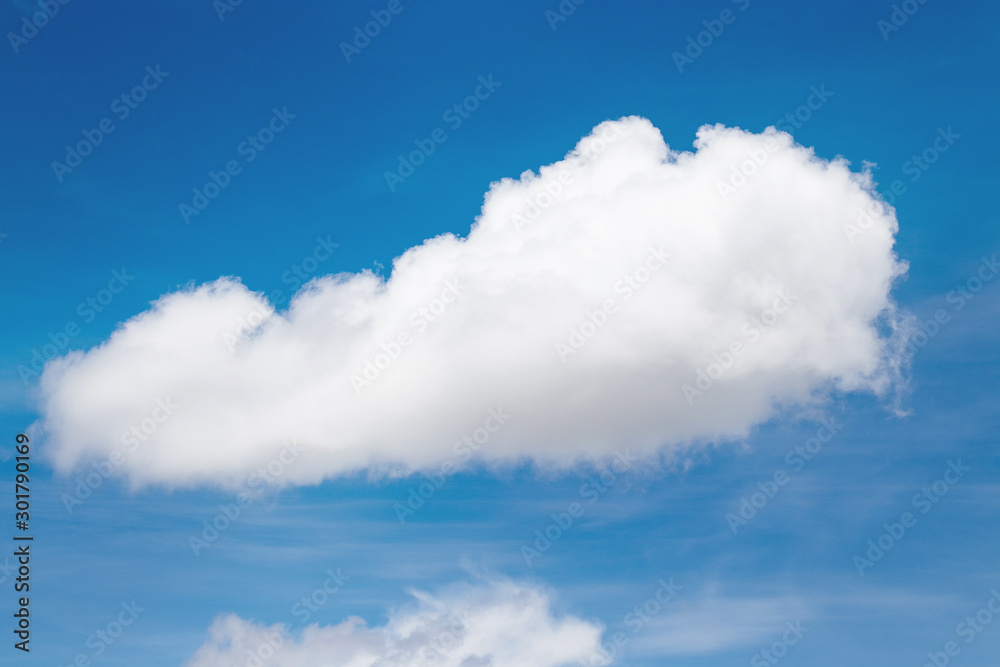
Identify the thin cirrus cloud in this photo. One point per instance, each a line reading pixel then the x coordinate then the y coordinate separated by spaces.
pixel 628 296
pixel 713 623
pixel 492 623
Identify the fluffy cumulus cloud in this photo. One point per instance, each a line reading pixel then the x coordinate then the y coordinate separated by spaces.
pixel 497 624
pixel 629 296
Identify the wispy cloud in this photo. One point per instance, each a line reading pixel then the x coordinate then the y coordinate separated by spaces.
pixel 497 622
pixel 713 623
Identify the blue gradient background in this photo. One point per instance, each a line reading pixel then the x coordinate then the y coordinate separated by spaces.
pixel 323 176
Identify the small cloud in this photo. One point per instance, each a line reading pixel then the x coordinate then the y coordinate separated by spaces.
pixel 714 624
pixel 499 622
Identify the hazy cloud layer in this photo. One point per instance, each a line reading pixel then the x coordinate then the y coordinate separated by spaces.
pixel 500 624
pixel 627 296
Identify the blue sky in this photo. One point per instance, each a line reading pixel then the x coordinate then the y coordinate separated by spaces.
pixel 322 182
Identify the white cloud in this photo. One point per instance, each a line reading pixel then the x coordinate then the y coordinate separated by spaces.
pixel 497 624
pixel 547 253
pixel 713 624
